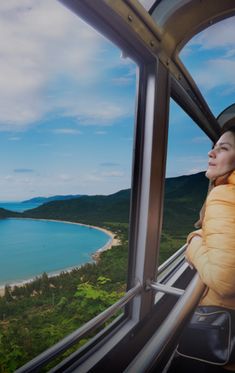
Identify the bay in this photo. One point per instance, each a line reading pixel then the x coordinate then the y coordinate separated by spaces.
pixel 30 247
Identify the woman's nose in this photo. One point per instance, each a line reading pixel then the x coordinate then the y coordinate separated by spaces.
pixel 211 153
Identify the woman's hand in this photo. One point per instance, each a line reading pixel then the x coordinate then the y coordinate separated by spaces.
pixel 193 245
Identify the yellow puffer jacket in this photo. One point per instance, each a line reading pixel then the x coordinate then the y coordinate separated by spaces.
pixel 212 252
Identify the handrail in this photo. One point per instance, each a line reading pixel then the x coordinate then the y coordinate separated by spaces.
pixel 171 259
pixel 169 329
pixel 52 352
pixel 46 356
pixel 166 289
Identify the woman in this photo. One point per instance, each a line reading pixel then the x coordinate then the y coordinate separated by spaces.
pixel 211 249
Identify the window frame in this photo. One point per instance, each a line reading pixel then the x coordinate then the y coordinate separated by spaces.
pixel 161 76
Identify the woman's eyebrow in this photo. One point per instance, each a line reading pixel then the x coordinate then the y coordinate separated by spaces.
pixel 223 143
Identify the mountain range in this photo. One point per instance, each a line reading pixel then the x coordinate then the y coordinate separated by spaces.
pixel 184 196
pixel 52 198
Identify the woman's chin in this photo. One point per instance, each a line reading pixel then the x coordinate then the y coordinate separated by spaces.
pixel 209 175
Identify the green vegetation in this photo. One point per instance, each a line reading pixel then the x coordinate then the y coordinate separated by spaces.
pixel 184 196
pixel 94 210
pixel 7 214
pixel 35 316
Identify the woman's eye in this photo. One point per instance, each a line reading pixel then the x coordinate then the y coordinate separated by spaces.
pixel 218 148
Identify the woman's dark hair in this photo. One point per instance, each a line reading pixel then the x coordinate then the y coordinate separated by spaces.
pixel 228 126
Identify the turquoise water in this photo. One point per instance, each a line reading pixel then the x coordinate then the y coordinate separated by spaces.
pixel 18 206
pixel 31 247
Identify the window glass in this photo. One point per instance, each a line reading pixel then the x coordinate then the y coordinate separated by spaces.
pixel 66 125
pixel 210 58
pixel 185 184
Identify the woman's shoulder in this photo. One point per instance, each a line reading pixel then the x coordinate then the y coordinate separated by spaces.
pixel 221 193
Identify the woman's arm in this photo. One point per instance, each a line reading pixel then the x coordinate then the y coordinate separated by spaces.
pixel 213 255
pixel 194 241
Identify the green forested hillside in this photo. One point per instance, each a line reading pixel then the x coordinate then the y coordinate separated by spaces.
pixel 52 198
pixel 184 196
pixel 189 188
pixel 7 214
pixel 86 209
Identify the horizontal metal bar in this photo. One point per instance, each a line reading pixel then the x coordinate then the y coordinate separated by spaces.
pixel 170 260
pixel 165 288
pixel 63 345
pixel 169 330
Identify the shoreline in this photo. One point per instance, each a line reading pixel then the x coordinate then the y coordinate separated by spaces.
pixel 94 256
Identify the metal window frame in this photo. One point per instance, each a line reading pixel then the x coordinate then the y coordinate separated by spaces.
pixel 123 23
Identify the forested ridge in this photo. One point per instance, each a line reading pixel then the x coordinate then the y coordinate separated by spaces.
pixel 35 316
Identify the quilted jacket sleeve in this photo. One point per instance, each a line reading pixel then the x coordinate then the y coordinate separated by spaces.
pixel 214 254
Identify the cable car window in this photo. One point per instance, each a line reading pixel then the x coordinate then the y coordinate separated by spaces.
pixel 66 124
pixel 210 59
pixel 185 184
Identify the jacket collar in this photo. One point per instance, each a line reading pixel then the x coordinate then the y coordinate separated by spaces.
pixel 231 178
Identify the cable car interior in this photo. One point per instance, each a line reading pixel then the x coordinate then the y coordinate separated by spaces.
pixel 159 298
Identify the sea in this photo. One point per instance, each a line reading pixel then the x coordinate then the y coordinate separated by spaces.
pixel 30 247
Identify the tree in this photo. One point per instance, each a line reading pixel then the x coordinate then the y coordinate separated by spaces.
pixel 93 299
pixel 7 293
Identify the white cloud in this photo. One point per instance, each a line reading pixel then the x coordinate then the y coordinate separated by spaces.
pixel 49 60
pixel 194 171
pixel 100 132
pixel 122 81
pixel 67 131
pixel 23 170
pixel 7 178
pixel 21 186
pixel 219 35
pixel 230 53
pixel 63 155
pixel 109 164
pixel 65 177
pixel 200 140
pixel 180 165
pixel 91 178
pixel 215 49
pixel 113 174
pixel 94 109
pixel 215 73
pixel 46 145
pixel 96 176
pixel 100 112
pixel 36 47
pixel 14 138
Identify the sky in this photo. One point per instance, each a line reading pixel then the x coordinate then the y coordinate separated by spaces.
pixel 67 103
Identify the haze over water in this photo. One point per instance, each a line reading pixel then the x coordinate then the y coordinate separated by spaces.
pixel 31 247
pixel 18 206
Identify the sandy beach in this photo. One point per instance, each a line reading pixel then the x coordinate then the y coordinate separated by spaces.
pixel 95 256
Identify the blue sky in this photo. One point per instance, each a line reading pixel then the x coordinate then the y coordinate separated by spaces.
pixel 210 58
pixel 67 102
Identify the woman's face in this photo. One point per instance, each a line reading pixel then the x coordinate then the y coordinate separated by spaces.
pixel 222 156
